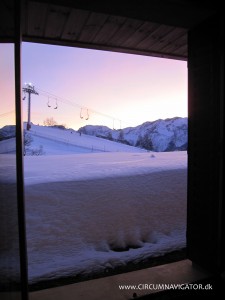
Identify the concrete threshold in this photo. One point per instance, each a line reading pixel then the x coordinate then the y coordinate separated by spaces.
pixel 146 282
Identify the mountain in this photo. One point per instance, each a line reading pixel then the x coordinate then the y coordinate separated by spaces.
pixel 7 132
pixel 160 135
pixel 55 140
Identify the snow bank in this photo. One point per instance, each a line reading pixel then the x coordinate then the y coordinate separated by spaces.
pixel 91 212
pixel 55 168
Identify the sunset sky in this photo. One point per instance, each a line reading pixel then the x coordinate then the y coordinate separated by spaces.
pixel 112 89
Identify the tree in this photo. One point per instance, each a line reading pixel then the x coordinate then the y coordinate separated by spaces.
pixel 37 151
pixel 49 122
pixel 27 140
pixel 109 136
pixel 121 135
pixel 147 142
pixel 144 142
pixel 82 130
pixel 139 141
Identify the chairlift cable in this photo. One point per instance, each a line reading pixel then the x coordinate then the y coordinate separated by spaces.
pixel 72 103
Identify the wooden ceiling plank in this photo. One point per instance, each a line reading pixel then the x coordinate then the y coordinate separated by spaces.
pixel 36 18
pixel 154 37
pixel 182 49
pixel 140 34
pixel 111 26
pixel 173 44
pixel 145 40
pixel 75 24
pixel 56 20
pixel 92 27
pixel 125 32
pixel 167 38
pixel 70 25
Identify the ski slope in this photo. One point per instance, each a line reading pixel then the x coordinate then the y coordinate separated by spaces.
pixel 92 210
pixel 59 141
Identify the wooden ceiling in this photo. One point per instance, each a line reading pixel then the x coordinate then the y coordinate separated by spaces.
pixel 155 28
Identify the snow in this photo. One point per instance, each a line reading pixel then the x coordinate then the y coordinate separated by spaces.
pixel 59 141
pixel 8 146
pixel 165 135
pixel 90 211
pixel 52 168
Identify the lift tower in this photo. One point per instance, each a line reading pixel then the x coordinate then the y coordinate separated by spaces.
pixel 29 89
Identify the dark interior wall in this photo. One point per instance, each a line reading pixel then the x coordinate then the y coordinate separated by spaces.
pixel 205 227
pixel 10 272
pixel 13 264
pixel 180 13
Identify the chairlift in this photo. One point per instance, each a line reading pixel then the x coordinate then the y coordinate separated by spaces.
pixel 87 117
pixel 81 115
pixel 56 104
pixel 48 103
pixel 24 95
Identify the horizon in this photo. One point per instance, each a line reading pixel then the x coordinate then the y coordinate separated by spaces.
pixel 96 125
pixel 92 87
pixel 25 122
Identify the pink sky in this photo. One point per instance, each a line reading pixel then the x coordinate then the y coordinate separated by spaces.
pixel 7 88
pixel 129 89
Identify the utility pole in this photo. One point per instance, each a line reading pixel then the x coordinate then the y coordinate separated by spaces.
pixel 29 89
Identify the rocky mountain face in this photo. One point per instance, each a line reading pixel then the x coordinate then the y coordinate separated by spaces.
pixel 7 132
pixel 160 135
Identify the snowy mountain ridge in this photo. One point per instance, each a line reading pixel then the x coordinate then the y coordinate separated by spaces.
pixel 160 135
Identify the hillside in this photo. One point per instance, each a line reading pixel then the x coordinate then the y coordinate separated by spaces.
pixel 159 136
pixel 54 141
pixel 91 213
pixel 7 132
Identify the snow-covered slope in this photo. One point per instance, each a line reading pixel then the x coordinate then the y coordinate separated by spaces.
pixel 158 136
pixel 7 132
pixel 66 141
pixel 89 213
pixel 161 135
